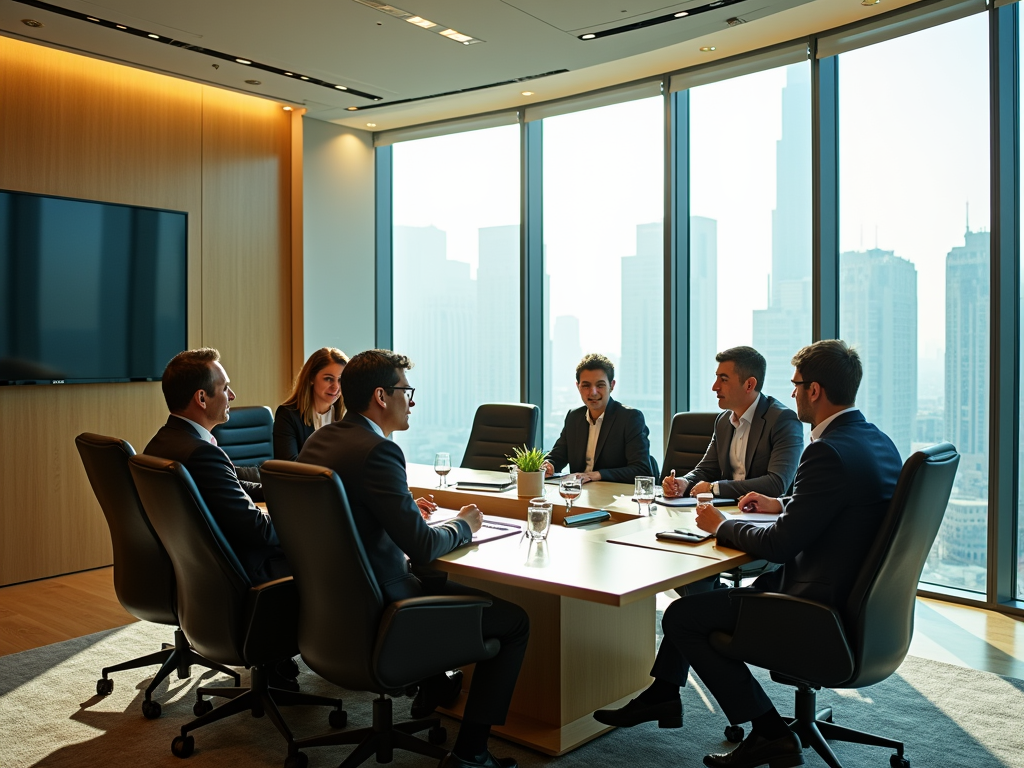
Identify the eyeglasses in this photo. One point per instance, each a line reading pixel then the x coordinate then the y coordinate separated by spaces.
pixel 410 390
pixel 802 383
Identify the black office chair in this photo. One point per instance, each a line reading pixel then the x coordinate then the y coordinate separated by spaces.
pixel 811 646
pixel 224 615
pixel 248 436
pixel 687 442
pixel 497 428
pixel 143 575
pixel 347 633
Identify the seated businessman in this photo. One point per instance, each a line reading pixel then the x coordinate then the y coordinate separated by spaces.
pixel 757 441
pixel 378 402
pixel 198 395
pixel 603 440
pixel 844 483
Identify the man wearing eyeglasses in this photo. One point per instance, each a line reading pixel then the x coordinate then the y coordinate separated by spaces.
pixel 844 483
pixel 379 401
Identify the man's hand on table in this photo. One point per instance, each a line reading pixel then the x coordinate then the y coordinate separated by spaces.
pixel 709 518
pixel 758 502
pixel 701 487
pixel 426 505
pixel 473 516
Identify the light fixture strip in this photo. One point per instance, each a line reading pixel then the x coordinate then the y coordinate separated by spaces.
pixel 713 6
pixel 422 23
pixel 194 48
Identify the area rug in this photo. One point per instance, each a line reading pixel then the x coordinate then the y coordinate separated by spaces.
pixel 50 716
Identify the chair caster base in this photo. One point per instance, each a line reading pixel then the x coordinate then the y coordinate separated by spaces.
pixel 104 686
pixel 151 709
pixel 183 746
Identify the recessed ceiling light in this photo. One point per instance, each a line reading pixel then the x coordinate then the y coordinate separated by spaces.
pixel 303 77
pixel 341 87
pixel 419 21
pixel 254 82
pixel 869 3
pixel 289 74
pixel 681 14
pixel 352 109
pixel 371 125
pixel 120 26
pixel 527 93
pixel 707 48
pixel 243 61
pixel 92 18
pixel 155 37
pixel 590 36
pixel 32 23
pixel 287 109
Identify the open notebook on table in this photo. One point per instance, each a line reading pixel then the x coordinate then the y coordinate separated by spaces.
pixel 493 527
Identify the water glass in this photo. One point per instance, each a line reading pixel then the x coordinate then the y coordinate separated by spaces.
pixel 538 519
pixel 643 491
pixel 570 489
pixel 442 465
pixel 704 499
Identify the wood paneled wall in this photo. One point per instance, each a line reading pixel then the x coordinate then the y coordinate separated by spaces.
pixel 78 127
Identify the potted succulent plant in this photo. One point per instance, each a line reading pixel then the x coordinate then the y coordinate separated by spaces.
pixel 529 464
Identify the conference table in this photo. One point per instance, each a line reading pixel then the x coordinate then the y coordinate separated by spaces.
pixel 590 593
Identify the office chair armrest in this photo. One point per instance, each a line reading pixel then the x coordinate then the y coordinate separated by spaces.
pixel 796 637
pixel 273 610
pixel 422 636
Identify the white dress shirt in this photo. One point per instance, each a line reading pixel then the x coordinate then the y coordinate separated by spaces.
pixel 738 446
pixel 204 433
pixel 323 419
pixel 818 430
pixel 595 431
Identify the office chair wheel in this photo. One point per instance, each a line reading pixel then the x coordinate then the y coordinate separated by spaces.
pixel 437 735
pixel 104 686
pixel 201 707
pixel 183 746
pixel 151 709
pixel 298 760
pixel 338 718
pixel 734 733
pixel 898 761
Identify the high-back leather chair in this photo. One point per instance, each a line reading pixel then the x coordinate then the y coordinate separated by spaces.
pixel 811 645
pixel 688 441
pixel 348 634
pixel 224 615
pixel 143 575
pixel 497 429
pixel 248 436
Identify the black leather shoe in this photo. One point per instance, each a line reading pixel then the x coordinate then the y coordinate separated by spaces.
pixel 438 691
pixel 784 752
pixel 669 714
pixel 451 760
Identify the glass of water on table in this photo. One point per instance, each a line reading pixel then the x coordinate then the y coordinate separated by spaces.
pixel 570 489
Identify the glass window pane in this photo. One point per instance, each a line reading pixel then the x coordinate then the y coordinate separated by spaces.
pixel 603 211
pixel 1020 447
pixel 456 281
pixel 750 228
pixel 914 261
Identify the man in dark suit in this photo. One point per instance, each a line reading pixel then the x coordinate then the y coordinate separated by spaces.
pixel 603 440
pixel 844 483
pixel 379 400
pixel 196 389
pixel 757 441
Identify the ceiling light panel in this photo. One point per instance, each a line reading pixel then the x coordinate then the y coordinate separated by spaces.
pixel 656 20
pixel 422 23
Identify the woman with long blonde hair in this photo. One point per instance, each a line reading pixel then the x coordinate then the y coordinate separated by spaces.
pixel 315 401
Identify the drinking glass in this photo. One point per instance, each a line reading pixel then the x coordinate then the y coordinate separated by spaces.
pixel 443 465
pixel 704 499
pixel 570 489
pixel 538 519
pixel 643 491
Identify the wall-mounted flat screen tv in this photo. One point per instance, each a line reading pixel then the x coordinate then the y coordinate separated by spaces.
pixel 89 292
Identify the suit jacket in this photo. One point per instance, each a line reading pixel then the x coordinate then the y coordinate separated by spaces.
pixel 250 533
pixel 372 469
pixel 774 445
pixel 623 447
pixel 290 432
pixel 843 487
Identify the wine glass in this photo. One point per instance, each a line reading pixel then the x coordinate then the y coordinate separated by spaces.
pixel 643 491
pixel 569 489
pixel 442 465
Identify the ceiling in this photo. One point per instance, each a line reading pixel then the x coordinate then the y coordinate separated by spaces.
pixel 410 74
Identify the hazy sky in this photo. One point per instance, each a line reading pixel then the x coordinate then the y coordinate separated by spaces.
pixel 913 153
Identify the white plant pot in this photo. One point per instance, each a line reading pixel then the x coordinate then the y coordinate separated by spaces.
pixel 530 484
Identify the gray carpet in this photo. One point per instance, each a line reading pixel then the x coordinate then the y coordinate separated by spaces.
pixel 49 716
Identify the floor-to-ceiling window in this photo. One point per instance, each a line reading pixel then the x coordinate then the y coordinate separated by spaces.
pixel 603 241
pixel 456 281
pixel 1020 448
pixel 914 259
pixel 750 224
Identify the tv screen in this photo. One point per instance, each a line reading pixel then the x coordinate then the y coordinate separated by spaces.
pixel 89 291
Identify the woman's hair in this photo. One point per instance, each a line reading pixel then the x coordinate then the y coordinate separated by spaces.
pixel 302 398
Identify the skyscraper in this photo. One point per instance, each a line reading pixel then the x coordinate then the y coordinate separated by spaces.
pixel 703 312
pixel 878 316
pixel 785 326
pixel 640 373
pixel 496 366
